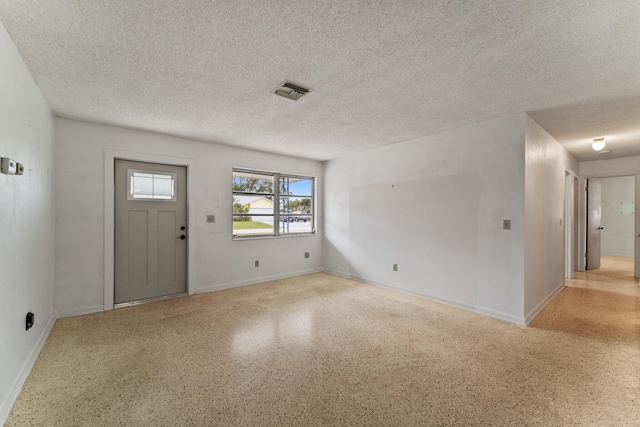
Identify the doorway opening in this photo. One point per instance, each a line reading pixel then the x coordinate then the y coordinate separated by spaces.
pixel 111 156
pixel 570 210
pixel 611 236
pixel 150 231
pixel 570 224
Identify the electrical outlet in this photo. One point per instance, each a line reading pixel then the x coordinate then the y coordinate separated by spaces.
pixel 211 218
pixel 506 224
pixel 30 320
pixel 395 267
pixel 306 254
pixel 257 263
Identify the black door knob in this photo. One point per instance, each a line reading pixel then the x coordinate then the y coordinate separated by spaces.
pixel 183 228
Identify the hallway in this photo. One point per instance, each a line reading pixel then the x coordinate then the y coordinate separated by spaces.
pixel 614 275
pixel 603 304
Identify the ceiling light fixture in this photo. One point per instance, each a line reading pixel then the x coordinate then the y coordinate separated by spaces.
pixel 598 144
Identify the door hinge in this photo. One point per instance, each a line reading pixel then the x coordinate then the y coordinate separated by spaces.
pixel 585 255
pixel 586 188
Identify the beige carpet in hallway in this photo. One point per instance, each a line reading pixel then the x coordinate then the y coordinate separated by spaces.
pixel 321 350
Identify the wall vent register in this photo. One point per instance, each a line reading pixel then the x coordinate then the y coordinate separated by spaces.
pixel 291 91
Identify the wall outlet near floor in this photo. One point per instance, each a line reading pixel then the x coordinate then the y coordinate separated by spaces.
pixel 257 263
pixel 506 224
pixel 211 218
pixel 395 267
pixel 306 254
pixel 31 319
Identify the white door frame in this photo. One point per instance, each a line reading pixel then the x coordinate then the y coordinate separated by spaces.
pixel 110 157
pixel 569 219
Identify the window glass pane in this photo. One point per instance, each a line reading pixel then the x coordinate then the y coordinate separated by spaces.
pixel 296 186
pixel 142 185
pixel 153 186
pixel 285 205
pixel 295 205
pixel 162 186
pixel 292 224
pixel 253 205
pixel 250 182
pixel 247 225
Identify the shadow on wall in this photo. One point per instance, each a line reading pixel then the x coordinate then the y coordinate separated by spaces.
pixel 429 227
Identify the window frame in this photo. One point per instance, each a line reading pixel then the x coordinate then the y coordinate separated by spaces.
pixel 275 214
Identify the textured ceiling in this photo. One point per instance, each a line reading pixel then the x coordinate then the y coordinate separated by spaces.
pixel 381 72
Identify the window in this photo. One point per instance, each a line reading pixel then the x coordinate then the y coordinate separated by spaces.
pixel 272 204
pixel 144 185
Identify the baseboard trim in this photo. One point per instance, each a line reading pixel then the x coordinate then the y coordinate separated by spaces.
pixel 475 309
pixel 538 308
pixel 248 282
pixel 79 311
pixel 212 288
pixel 16 387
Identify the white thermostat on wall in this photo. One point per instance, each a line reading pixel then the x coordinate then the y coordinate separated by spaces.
pixel 8 166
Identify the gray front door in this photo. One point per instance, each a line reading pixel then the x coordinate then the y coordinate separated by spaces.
pixel 594 209
pixel 150 230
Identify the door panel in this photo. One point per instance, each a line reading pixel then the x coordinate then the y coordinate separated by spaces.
pixel 137 246
pixel 150 257
pixel 594 201
pixel 167 243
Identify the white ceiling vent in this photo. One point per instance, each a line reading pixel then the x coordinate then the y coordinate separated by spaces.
pixel 291 91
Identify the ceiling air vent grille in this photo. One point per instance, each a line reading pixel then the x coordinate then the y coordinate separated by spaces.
pixel 291 91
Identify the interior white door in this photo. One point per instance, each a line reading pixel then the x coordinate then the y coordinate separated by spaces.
pixel 568 224
pixel 150 230
pixel 637 228
pixel 594 214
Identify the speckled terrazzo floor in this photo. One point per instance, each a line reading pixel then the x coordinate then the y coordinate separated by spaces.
pixel 322 350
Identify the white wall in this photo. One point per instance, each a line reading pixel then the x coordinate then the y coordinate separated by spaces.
pixel 617 238
pixel 26 222
pixel 629 166
pixel 435 206
pixel 220 261
pixel 545 164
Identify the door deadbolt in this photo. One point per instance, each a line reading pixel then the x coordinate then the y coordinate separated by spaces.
pixel 182 237
pixel 183 228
